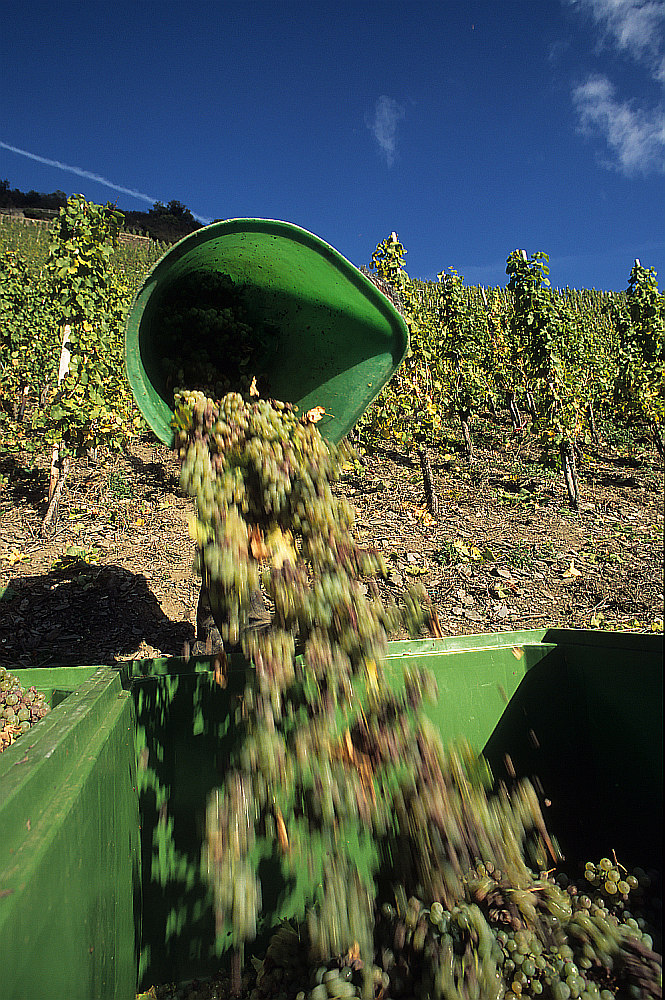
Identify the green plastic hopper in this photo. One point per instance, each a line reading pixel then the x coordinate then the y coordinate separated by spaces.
pixel 339 338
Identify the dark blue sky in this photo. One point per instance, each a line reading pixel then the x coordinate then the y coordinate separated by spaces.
pixel 470 128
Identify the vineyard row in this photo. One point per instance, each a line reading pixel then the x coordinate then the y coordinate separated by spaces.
pixel 556 359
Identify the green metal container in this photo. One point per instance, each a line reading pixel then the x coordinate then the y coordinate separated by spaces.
pixel 102 813
pixel 579 711
pixel 339 339
pixel 69 843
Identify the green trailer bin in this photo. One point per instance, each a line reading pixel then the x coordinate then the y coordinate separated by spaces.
pixel 69 843
pixel 579 711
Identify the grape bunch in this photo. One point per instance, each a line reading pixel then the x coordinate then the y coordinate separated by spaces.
pixel 483 947
pixel 570 949
pixel 267 517
pixel 610 879
pixel 20 708
pixel 201 318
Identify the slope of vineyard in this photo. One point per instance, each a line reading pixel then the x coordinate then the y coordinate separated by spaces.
pixel 133 257
pixel 505 550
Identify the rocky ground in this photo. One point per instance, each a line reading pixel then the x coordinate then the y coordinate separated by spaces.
pixel 114 580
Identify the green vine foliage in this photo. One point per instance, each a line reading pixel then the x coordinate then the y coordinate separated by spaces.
pixel 542 324
pixel 91 406
pixel 462 353
pixel 640 322
pixel 79 287
pixel 389 263
pixel 407 411
pixel 593 348
pixel 444 373
pixel 28 346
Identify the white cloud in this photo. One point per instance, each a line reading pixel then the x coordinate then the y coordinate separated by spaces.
pixel 635 136
pixel 88 175
pixel 634 132
pixel 387 113
pixel 635 27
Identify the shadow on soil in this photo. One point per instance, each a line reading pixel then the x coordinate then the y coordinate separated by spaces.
pixel 159 479
pixel 83 614
pixel 25 485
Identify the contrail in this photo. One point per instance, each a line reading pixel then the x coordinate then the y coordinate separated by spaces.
pixel 88 175
pixel 77 170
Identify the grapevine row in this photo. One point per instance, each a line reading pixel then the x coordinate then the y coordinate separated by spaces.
pixel 561 362
pixel 557 360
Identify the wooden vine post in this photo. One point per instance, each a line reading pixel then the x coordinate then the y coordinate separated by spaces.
pixel 59 465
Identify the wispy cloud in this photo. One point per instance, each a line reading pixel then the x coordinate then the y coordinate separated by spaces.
pixel 634 27
pixel 88 175
pixel 634 133
pixel 383 125
pixel 636 137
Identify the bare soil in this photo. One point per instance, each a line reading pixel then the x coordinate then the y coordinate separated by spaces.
pixel 114 580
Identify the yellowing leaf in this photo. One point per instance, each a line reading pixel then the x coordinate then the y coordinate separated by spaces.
pixel 257 546
pixel 424 515
pixel 314 415
pixel 416 570
pixel 282 835
pixel 572 571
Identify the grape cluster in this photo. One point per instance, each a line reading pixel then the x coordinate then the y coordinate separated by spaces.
pixel 20 708
pixel 610 879
pixel 574 949
pixel 267 516
pixel 561 946
pixel 201 318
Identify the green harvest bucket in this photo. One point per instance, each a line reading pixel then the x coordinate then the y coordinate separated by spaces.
pixel 338 339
